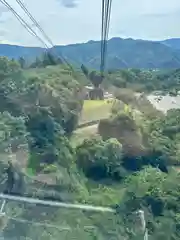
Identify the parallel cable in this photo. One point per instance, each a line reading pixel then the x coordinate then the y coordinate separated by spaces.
pixel 48 39
pixel 23 23
pixel 104 27
pixel 32 32
pixel 106 14
pixel 22 5
pixel 106 30
pixel 102 35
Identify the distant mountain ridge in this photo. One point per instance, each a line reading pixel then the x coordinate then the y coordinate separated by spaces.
pixel 122 53
pixel 173 42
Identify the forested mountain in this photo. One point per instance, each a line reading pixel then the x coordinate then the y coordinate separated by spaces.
pixel 122 53
pixel 13 51
pixel 173 42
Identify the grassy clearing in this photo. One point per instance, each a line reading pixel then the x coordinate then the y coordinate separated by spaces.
pixel 91 104
pixel 95 110
pixel 30 172
pixel 92 110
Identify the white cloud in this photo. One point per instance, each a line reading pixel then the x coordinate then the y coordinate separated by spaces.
pixel 69 3
pixel 71 21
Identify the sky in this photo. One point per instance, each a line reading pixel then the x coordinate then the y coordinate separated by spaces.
pixel 76 21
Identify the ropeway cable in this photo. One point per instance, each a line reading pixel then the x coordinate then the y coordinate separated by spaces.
pixel 22 5
pixel 23 23
pixel 106 13
pixel 102 34
pixel 106 7
pixel 31 31
pixel 107 23
pixel 24 8
pixel 104 30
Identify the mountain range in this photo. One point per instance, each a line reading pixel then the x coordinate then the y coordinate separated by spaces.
pixel 122 53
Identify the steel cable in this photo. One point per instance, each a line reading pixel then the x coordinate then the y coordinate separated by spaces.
pixel 23 23
pixel 106 14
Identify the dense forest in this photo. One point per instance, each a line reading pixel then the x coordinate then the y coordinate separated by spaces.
pixel 132 162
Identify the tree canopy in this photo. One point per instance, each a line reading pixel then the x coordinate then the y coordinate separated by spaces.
pixel 131 163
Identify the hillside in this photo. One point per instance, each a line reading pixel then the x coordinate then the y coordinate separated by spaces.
pixel 173 43
pixel 122 53
pixel 13 51
pixel 128 162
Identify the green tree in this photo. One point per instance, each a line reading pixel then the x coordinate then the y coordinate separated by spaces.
pixel 101 159
pixel 157 193
pixel 22 62
pixel 12 131
pixel 49 59
pixel 8 69
pixel 36 64
pixel 85 70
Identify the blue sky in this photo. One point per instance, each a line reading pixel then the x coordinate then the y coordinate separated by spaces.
pixel 72 21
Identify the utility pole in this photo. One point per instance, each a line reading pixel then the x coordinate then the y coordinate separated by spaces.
pixel 143 224
pixel 2 213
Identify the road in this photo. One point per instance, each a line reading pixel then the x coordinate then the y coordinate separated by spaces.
pixel 56 204
pixel 89 129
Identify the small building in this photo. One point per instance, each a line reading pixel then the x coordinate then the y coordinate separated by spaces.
pixel 108 95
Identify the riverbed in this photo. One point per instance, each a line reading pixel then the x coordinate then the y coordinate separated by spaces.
pixel 164 103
